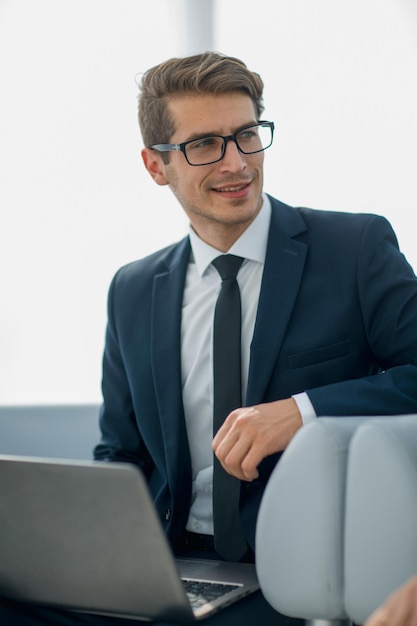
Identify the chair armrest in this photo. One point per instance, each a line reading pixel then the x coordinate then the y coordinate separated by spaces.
pixel 381 512
pixel 299 536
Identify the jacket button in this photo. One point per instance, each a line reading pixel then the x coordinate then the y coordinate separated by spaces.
pixel 167 515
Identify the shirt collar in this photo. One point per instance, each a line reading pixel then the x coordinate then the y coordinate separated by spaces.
pixel 250 245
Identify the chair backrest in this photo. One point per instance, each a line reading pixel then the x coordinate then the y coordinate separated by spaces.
pixel 299 536
pixel 63 431
pixel 381 512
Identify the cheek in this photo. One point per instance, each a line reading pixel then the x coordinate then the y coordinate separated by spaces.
pixel 185 183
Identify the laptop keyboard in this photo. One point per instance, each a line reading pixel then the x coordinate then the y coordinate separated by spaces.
pixel 199 592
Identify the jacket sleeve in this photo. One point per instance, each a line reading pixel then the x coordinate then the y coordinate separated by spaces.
pixel 120 437
pixel 387 292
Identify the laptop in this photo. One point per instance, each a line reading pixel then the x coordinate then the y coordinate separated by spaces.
pixel 85 535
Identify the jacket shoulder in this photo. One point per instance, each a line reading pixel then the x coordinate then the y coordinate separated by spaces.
pixel 155 263
pixel 327 222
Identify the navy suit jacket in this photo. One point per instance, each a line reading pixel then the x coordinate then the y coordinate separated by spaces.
pixel 337 317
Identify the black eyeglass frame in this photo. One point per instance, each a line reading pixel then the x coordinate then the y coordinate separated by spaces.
pixel 181 147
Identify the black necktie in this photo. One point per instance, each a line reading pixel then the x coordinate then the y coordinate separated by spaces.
pixel 229 540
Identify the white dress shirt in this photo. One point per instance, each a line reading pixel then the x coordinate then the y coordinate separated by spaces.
pixel 202 287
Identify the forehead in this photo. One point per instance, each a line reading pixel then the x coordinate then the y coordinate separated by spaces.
pixel 206 113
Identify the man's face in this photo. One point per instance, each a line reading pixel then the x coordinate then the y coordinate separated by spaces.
pixel 220 199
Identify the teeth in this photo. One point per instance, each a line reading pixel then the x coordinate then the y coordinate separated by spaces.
pixel 232 188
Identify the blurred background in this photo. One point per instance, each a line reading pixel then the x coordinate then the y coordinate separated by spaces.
pixel 75 201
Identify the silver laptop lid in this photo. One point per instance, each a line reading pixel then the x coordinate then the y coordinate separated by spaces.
pixel 85 535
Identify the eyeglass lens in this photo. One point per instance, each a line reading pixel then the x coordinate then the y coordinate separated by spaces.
pixel 210 149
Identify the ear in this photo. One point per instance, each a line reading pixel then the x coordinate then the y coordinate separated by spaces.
pixel 155 166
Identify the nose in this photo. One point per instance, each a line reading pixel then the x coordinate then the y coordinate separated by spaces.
pixel 233 159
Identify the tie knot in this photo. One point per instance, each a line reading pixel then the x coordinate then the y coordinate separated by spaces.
pixel 227 265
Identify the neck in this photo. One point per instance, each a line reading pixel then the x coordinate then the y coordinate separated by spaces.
pixel 220 237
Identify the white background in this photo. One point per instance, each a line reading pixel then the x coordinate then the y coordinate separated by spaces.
pixel 75 202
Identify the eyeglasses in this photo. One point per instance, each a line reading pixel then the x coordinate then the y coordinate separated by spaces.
pixel 207 150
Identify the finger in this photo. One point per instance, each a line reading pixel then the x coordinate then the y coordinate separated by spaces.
pixel 378 618
pixel 240 459
pixel 398 611
pixel 230 453
pixel 224 430
pixel 250 463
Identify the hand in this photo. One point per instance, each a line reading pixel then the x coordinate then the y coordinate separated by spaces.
pixel 400 609
pixel 250 434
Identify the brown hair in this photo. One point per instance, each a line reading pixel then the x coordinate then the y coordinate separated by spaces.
pixel 209 72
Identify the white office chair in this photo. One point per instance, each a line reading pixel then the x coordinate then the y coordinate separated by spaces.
pixel 299 536
pixel 381 512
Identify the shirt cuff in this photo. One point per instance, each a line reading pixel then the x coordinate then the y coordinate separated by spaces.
pixel 305 407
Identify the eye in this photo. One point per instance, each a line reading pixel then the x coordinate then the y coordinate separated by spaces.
pixel 247 134
pixel 203 144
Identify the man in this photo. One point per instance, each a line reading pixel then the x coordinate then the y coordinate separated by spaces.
pixel 329 307
pixel 328 311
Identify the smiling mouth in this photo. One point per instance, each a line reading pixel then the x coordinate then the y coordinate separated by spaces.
pixel 232 188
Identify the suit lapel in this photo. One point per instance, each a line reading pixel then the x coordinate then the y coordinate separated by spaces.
pixel 284 264
pixel 166 363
